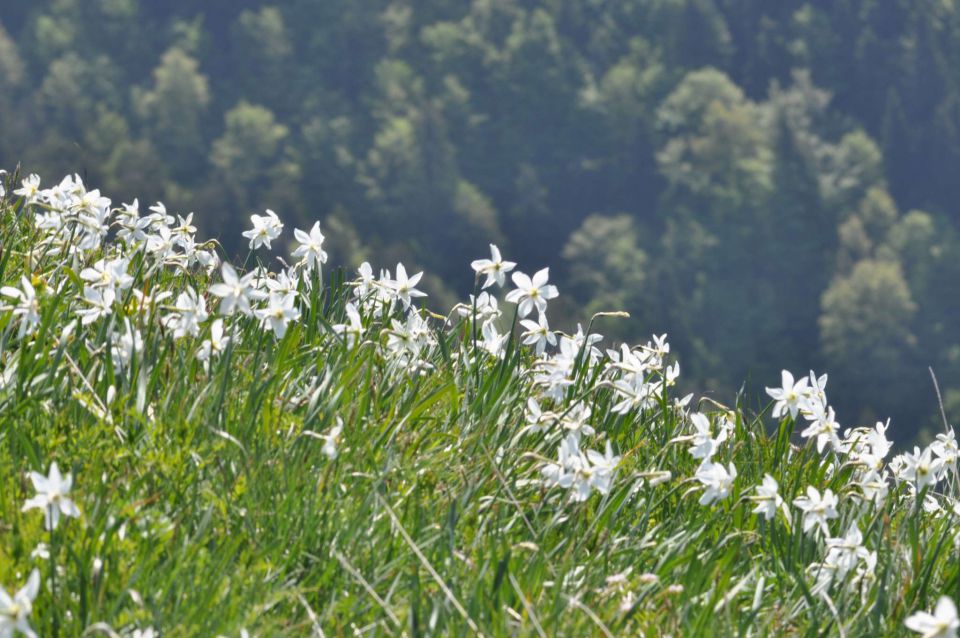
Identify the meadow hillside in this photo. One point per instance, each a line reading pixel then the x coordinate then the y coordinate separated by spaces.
pixel 283 448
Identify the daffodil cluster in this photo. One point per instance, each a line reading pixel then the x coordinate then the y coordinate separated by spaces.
pixel 112 280
pixel 862 452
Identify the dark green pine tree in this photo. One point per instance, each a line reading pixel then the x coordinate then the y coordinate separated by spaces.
pixel 799 250
pixel 898 149
pixel 931 104
pixel 701 36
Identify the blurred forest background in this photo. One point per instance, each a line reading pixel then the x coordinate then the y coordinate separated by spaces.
pixel 775 184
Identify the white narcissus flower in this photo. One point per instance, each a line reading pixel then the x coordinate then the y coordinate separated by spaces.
pixel 942 623
pixel 236 292
pixel 568 459
pixel 536 418
pixel 576 422
pixel 600 472
pixel 189 312
pixel 865 572
pixel 633 393
pixel 817 391
pixel 532 293
pixel 184 231
pixel 367 283
pixel 133 227
pixel 51 497
pixel 920 468
pixel 385 288
pixel 27 306
pixel 931 505
pixel 160 216
pixel 877 439
pixel 718 481
pixel 791 398
pixel 284 282
pixel 108 273
pixel 41 551
pixel 768 498
pixel 817 509
pixel 161 244
pixel 493 342
pixel 208 259
pixel 29 188
pixel 588 341
pixel 702 444
pixel 483 305
pixel 353 329
pixel 213 346
pixel 945 447
pixel 331 439
pixel 405 287
pixel 280 310
pixel 494 268
pixel 310 251
pixel 631 362
pixel 265 229
pixel 144 304
pixel 581 472
pixel 823 427
pixel 15 610
pixel 874 485
pixel 845 552
pixel 124 345
pixel 538 334
pixel 100 304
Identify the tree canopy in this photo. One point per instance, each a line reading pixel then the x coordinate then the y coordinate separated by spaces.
pixel 772 183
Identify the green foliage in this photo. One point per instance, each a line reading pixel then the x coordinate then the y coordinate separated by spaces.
pixel 250 144
pixel 866 328
pixel 607 266
pixel 173 110
pixel 11 66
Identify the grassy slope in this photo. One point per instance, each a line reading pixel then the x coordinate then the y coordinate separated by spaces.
pixel 209 506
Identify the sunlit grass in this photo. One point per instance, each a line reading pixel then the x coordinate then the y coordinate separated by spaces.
pixel 219 496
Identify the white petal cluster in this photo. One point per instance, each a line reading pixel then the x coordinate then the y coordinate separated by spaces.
pixel 495 269
pixel 52 496
pixel 942 623
pixel 266 228
pixel 15 610
pixel 581 472
pixel 143 283
pixel 310 252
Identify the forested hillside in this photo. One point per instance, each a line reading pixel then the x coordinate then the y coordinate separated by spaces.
pixel 776 184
